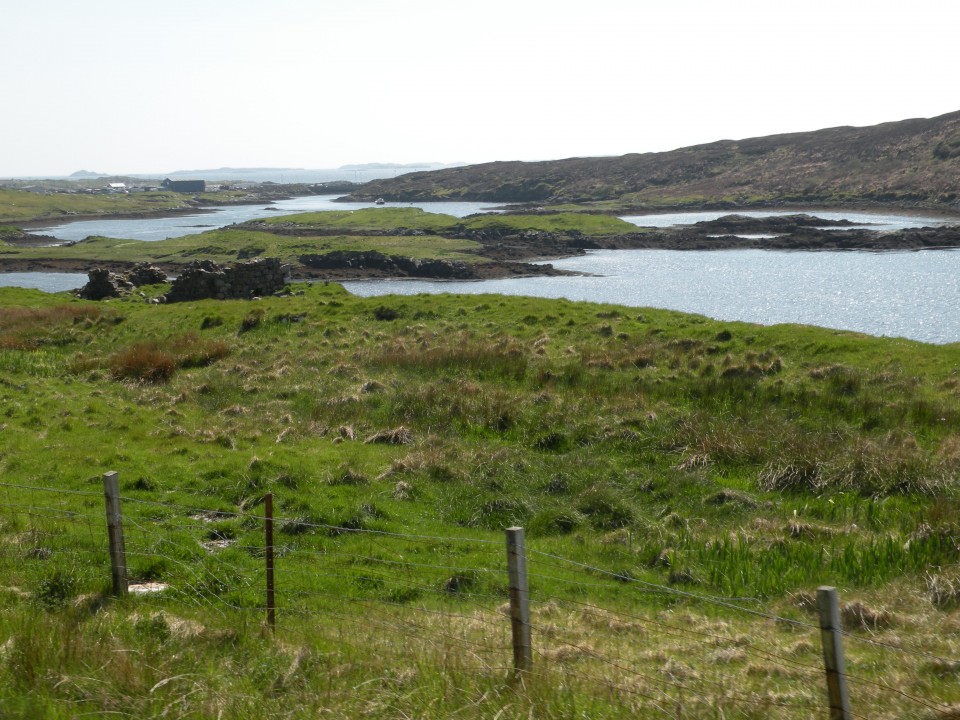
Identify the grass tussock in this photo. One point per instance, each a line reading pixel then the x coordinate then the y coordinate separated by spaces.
pixel 675 455
pixel 155 362
pixel 32 328
pixel 503 357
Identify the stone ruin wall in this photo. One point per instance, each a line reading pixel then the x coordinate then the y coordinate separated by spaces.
pixel 205 279
pixel 199 280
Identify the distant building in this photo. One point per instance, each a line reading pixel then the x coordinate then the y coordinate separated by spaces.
pixel 117 186
pixel 185 186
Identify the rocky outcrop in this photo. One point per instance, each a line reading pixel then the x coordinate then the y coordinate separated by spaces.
pixel 204 279
pixel 146 274
pixel 103 284
pixel 392 265
pixel 736 224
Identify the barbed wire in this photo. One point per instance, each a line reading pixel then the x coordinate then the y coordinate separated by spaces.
pixel 618 663
pixel 622 577
pixel 720 602
pixel 384 561
pixel 52 513
pixel 938 707
pixel 196 588
pixel 897 648
pixel 57 491
pixel 321 526
pixel 774 657
pixel 439 592
pixel 407 628
pixel 675 630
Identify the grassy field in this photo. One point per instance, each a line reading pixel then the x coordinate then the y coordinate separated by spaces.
pixel 22 206
pixel 417 219
pixel 230 245
pixel 685 486
pixel 290 236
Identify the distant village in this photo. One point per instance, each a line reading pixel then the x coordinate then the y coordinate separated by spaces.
pixel 117 188
pixel 126 185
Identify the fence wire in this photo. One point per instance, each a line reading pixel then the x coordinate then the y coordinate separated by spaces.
pixel 433 600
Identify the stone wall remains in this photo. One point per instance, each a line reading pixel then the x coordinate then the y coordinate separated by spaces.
pixel 204 279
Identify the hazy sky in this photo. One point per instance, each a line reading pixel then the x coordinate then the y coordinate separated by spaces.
pixel 120 86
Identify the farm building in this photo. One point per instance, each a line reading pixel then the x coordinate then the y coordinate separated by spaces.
pixel 185 186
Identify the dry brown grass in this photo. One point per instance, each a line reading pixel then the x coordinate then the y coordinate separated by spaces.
pixel 144 362
pixel 19 317
pixel 396 436
pixel 29 328
pixel 153 362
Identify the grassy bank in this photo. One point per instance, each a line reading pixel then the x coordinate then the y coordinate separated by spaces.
pixel 655 459
pixel 408 232
pixel 380 219
pixel 229 246
pixel 23 206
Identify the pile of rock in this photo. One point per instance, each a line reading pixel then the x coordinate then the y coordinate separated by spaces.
pixel 389 265
pixel 204 279
pixel 102 283
pixel 144 274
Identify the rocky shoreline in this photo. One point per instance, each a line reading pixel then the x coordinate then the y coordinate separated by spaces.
pixel 61 219
pixel 506 253
pixel 363 270
pixel 265 194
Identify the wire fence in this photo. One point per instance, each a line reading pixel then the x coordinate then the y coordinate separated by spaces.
pixel 665 648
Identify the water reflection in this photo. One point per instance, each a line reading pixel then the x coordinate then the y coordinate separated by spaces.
pixel 151 229
pixel 912 295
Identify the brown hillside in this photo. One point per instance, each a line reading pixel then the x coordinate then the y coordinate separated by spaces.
pixel 907 162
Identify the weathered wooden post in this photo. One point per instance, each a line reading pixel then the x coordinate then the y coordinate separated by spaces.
pixel 519 600
pixel 832 639
pixel 271 607
pixel 118 553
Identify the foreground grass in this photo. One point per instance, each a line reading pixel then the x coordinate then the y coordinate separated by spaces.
pixel 705 458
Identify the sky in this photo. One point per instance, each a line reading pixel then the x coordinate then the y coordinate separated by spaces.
pixel 119 87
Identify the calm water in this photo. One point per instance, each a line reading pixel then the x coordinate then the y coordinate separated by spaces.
pixel 913 295
pixel 163 228
pixel 48 282
pixel 872 221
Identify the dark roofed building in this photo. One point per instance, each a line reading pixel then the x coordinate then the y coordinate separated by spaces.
pixel 185 186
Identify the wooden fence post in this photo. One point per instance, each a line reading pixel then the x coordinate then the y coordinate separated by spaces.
pixel 271 606
pixel 832 639
pixel 519 600
pixel 118 553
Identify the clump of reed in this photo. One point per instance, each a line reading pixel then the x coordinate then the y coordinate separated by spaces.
pixel 154 362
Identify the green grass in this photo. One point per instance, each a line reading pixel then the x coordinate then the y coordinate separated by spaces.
pixel 227 246
pixel 417 219
pixel 718 459
pixel 231 244
pixel 369 219
pixel 21 205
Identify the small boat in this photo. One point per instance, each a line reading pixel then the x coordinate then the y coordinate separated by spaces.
pixel 379 201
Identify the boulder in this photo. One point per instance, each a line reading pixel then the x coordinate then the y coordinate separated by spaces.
pixel 146 274
pixel 102 284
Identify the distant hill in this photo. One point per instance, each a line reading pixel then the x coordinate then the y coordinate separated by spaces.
pixel 400 166
pixel 84 175
pixel 907 162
